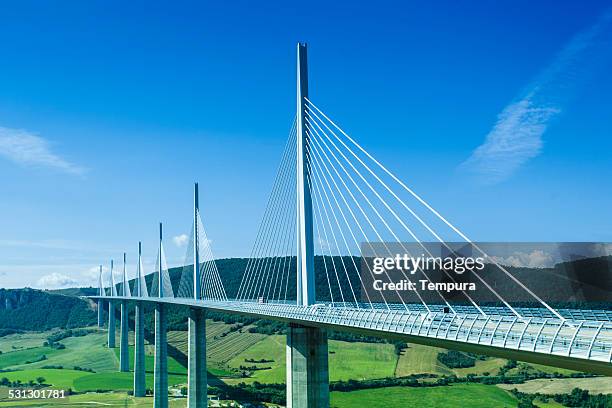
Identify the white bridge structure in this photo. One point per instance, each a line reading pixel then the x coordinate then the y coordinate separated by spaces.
pixel 330 196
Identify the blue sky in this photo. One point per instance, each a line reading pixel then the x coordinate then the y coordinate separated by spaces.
pixel 110 111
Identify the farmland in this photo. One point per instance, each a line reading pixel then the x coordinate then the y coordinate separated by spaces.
pixel 86 365
pixel 472 395
pixel 597 385
pixel 346 360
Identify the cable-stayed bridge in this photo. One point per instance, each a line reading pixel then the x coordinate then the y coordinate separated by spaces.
pixel 332 202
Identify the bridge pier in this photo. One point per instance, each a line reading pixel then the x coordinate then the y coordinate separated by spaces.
pixel 307 367
pixel 197 376
pixel 160 372
pixel 124 351
pixel 140 389
pixel 111 324
pixel 100 314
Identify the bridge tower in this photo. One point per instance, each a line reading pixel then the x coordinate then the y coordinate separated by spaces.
pixel 111 310
pixel 100 302
pixel 197 375
pixel 160 371
pixel 140 389
pixel 307 359
pixel 124 351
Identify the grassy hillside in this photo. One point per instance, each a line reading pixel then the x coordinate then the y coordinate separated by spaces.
pixel 418 359
pixel 86 352
pixel 597 385
pixel 18 341
pixel 357 361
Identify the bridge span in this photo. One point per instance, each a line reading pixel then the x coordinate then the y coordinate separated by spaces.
pixel 573 344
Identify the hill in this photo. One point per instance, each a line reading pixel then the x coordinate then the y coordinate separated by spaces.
pixel 30 309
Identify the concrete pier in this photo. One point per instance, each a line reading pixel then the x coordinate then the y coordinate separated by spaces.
pixel 307 367
pixel 197 375
pixel 124 351
pixel 140 388
pixel 160 371
pixel 100 314
pixel 111 324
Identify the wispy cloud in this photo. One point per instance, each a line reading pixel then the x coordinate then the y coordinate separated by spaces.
pixel 517 134
pixel 180 240
pixel 26 148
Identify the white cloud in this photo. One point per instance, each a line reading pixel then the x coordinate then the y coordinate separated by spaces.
pixel 180 240
pixel 91 275
pixel 534 259
pixel 29 149
pixel 515 138
pixel 56 280
pixel 517 134
pixel 323 244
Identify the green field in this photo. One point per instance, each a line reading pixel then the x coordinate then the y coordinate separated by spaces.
pixel 270 348
pixel 346 360
pixel 21 357
pixel 223 349
pixel 418 359
pixel 174 367
pixel 229 347
pixel 529 367
pixel 58 378
pixel 88 352
pixel 119 381
pixel 491 365
pixel 460 395
pixel 360 361
pixel 14 342
pixel 224 342
pixel 595 385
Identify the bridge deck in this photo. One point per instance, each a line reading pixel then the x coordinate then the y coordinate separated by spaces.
pixel 581 344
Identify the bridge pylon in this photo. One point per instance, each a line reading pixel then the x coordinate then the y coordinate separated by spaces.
pixel 111 310
pixel 160 371
pixel 124 351
pixel 197 395
pixel 140 388
pixel 307 359
pixel 100 301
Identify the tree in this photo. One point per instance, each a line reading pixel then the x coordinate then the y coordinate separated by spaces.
pixel 40 380
pixel 526 403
